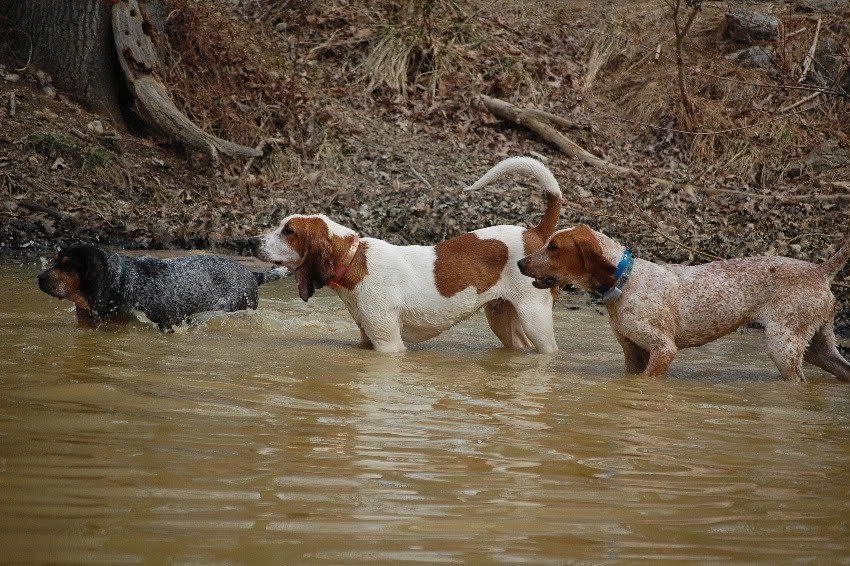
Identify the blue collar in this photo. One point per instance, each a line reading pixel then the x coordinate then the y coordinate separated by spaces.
pixel 621 277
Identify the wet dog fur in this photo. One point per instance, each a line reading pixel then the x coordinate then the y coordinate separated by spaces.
pixel 167 291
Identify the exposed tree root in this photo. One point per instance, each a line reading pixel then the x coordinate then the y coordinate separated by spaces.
pixel 49 210
pixel 142 69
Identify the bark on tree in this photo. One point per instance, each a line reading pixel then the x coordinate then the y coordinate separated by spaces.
pixel 70 40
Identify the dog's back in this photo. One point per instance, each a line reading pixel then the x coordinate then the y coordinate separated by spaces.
pixel 169 290
pixel 716 298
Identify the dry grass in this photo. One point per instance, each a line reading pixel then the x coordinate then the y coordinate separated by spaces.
pixel 418 42
pixel 627 77
pixel 226 76
pixel 238 78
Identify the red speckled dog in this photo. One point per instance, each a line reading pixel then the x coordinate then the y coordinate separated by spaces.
pixel 655 310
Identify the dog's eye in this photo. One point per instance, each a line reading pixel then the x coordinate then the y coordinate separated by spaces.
pixel 552 247
pixel 286 231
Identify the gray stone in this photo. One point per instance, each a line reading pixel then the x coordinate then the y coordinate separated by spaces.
pixel 824 5
pixel 829 60
pixel 828 155
pixel 756 58
pixel 749 26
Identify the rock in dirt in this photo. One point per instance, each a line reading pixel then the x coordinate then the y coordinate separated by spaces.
pixel 748 26
pixel 828 155
pixel 95 126
pixel 829 60
pixel 756 57
pixel 823 5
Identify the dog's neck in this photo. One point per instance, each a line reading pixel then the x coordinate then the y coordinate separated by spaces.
pixel 612 249
pixel 118 289
pixel 613 252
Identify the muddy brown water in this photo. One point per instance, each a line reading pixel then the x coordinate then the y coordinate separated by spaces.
pixel 270 437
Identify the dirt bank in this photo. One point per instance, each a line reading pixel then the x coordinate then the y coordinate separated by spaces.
pixel 390 158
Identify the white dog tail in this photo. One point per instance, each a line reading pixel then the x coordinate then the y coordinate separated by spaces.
pixel 540 172
pixel 520 165
pixel 833 265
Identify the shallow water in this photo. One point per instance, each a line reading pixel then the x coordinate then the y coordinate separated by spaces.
pixel 271 437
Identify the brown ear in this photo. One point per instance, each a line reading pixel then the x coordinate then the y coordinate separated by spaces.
pixel 317 268
pixel 595 262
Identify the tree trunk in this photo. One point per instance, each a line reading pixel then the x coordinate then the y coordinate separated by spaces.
pixel 106 54
pixel 72 41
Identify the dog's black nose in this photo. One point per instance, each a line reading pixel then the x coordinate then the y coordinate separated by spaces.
pixel 43 281
pixel 521 264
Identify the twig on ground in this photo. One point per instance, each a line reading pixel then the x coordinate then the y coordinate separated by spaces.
pixel 797 32
pixel 799 102
pixel 559 121
pixel 13 104
pixel 79 134
pixel 538 123
pixel 534 121
pixel 420 177
pixel 261 148
pixel 49 210
pixel 810 56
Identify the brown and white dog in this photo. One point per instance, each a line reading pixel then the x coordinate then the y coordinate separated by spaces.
pixel 659 309
pixel 413 293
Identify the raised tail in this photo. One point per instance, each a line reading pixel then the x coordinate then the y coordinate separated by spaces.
pixel 270 275
pixel 833 265
pixel 540 172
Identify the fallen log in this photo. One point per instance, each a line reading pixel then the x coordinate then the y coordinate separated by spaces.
pixel 143 69
pixel 48 210
pixel 538 122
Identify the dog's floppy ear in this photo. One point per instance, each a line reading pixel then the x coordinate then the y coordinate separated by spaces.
pixel 595 263
pixel 317 268
pixel 94 274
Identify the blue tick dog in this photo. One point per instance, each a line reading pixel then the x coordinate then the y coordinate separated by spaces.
pixel 105 286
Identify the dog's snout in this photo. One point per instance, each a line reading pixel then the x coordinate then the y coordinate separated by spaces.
pixel 522 264
pixel 44 282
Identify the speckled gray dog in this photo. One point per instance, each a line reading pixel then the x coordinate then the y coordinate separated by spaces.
pixel 105 286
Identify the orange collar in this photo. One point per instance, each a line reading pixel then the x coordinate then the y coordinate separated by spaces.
pixel 345 265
